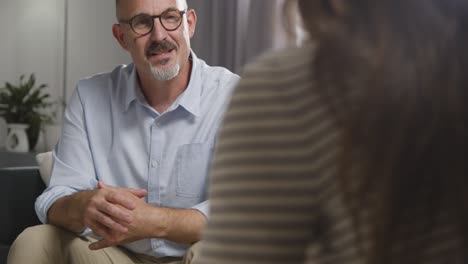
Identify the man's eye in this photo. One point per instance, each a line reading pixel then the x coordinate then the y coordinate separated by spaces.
pixel 142 22
pixel 171 17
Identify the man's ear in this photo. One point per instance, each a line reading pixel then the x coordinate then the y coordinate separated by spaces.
pixel 191 21
pixel 119 36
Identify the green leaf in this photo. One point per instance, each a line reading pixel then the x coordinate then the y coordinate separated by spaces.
pixel 20 103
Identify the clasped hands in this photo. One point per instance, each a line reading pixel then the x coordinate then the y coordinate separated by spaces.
pixel 120 215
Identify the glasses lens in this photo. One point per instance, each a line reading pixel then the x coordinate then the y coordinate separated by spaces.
pixel 171 20
pixel 142 24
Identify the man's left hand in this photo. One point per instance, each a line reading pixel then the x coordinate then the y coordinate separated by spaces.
pixel 148 221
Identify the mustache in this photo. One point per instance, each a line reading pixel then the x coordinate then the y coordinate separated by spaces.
pixel 160 46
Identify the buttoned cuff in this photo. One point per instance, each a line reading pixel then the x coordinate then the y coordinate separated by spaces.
pixel 86 232
pixel 48 198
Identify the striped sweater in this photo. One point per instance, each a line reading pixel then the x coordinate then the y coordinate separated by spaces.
pixel 274 193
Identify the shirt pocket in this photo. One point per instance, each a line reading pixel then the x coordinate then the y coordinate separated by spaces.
pixel 192 164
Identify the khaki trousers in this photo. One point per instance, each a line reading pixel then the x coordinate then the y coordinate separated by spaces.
pixel 46 244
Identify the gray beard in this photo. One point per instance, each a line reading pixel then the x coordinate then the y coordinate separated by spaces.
pixel 165 74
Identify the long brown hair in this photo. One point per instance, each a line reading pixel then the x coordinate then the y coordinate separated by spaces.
pixel 395 74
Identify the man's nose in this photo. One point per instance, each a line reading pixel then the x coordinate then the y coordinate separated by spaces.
pixel 159 32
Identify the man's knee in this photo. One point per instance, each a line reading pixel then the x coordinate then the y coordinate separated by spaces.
pixel 39 241
pixel 41 235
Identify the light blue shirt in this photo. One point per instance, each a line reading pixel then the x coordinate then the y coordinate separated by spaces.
pixel 110 133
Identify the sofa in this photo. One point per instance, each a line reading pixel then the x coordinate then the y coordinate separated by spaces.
pixel 19 188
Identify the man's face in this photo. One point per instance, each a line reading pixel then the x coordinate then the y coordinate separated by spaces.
pixel 161 53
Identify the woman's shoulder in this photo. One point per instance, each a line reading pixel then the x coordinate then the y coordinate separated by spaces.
pixel 280 63
pixel 277 76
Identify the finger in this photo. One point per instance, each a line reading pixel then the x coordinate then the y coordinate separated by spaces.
pixel 116 212
pixel 109 223
pixel 100 230
pixel 101 185
pixel 121 198
pixel 101 244
pixel 140 193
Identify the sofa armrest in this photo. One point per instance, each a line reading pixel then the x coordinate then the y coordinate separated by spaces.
pixel 19 189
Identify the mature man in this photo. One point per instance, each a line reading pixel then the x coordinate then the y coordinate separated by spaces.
pixel 130 171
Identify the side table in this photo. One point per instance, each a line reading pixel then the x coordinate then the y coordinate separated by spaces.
pixel 17 160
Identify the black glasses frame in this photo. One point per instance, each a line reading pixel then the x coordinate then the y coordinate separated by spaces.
pixel 130 21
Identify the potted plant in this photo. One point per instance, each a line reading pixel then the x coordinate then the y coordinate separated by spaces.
pixel 25 103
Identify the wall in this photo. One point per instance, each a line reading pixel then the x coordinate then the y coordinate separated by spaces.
pixel 8 41
pixel 91 47
pixel 232 33
pixel 39 38
pixel 32 41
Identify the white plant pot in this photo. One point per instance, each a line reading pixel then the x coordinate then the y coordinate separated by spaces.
pixel 17 139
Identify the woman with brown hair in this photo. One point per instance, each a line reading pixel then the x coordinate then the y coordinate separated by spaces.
pixel 352 148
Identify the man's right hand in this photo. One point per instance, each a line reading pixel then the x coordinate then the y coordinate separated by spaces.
pixel 105 211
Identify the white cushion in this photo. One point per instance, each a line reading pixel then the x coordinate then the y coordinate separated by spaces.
pixel 45 165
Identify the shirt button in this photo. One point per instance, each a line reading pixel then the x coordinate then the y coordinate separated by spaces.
pixel 154 164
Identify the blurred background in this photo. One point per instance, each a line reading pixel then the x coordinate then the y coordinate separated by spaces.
pixel 62 41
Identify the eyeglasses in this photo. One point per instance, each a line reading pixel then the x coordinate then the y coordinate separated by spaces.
pixel 143 24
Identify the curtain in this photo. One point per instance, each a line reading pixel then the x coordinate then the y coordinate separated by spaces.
pixel 231 33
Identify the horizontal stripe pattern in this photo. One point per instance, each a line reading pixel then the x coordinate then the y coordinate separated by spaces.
pixel 273 191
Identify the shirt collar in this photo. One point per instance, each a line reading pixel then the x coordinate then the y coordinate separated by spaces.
pixel 190 99
pixel 131 87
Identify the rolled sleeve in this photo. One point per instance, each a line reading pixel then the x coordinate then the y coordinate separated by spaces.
pixel 48 198
pixel 203 208
pixel 73 168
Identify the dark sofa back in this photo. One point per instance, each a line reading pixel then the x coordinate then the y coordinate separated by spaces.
pixel 19 189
